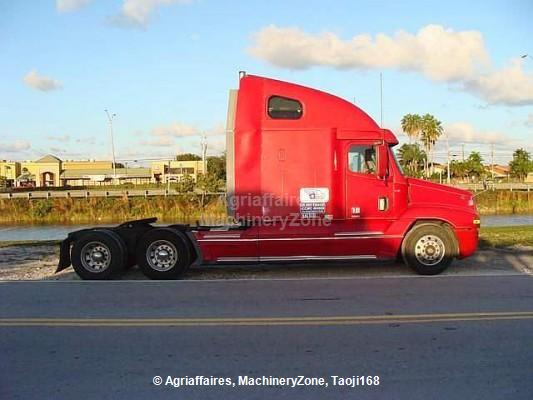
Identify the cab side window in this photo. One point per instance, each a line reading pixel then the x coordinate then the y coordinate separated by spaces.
pixel 362 159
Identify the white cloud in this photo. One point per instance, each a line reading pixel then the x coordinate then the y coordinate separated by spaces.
pixel 137 13
pixel 70 5
pixel 464 137
pixel 509 85
pixel 456 57
pixel 179 129
pixel 216 145
pixel 58 150
pixel 464 132
pixel 176 129
pixel 39 82
pixel 59 138
pixel 15 146
pixel 187 137
pixel 86 140
pixel 162 141
pixel 429 51
pixel 145 155
pixel 529 121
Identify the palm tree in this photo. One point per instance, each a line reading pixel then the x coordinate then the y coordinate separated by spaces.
pixel 411 125
pixel 411 158
pixel 458 169
pixel 431 130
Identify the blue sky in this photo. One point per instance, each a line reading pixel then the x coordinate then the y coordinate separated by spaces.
pixel 165 67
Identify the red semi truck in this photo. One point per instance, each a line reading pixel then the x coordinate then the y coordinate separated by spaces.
pixel 310 177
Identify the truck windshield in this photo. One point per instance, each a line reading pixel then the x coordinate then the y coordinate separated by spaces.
pixel 396 161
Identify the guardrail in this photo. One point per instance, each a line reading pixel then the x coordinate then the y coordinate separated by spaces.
pixel 98 193
pixel 164 192
pixel 495 186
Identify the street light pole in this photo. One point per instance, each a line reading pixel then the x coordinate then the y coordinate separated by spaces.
pixel 204 153
pixel 448 159
pixel 110 120
pixel 168 176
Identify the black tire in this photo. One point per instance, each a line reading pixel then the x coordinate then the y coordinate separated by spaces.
pixel 428 249
pixel 104 243
pixel 163 253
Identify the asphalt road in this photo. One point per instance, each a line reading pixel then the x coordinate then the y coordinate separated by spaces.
pixel 425 337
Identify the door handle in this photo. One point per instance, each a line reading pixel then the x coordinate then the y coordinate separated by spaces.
pixel 383 203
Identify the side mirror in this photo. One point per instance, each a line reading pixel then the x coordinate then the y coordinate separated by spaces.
pixel 383 161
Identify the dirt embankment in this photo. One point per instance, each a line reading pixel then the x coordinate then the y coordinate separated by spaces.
pixel 39 263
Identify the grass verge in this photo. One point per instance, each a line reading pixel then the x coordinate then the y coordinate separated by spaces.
pixel 505 236
pixel 26 243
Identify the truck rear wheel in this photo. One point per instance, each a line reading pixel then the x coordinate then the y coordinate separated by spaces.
pixel 163 253
pixel 428 249
pixel 99 255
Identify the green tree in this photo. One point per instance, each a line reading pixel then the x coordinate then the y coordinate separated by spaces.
pixel 216 165
pixel 3 182
pixel 431 130
pixel 458 169
pixel 207 183
pixel 185 184
pixel 474 165
pixel 188 157
pixel 412 159
pixel 412 125
pixel 521 164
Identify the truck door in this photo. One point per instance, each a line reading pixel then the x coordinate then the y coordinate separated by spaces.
pixel 368 201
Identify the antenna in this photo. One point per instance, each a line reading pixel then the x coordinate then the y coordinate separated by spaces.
pixel 381 97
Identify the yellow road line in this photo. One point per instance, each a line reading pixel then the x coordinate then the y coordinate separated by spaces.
pixel 268 321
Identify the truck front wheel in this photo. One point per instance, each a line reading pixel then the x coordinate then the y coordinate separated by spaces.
pixel 99 255
pixel 428 249
pixel 163 253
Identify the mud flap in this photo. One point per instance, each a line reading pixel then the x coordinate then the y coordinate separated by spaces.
pixel 64 255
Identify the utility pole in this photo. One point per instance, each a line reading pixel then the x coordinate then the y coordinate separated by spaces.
pixel 463 151
pixel 492 161
pixel 168 176
pixel 110 120
pixel 203 143
pixel 447 159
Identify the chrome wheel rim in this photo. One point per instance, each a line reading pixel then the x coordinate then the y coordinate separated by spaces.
pixel 429 250
pixel 161 255
pixel 95 257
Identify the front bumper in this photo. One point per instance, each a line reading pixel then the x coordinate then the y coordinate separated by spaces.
pixel 468 241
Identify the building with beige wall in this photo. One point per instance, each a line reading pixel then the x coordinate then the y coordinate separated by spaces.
pixel 162 171
pixel 9 170
pixel 87 165
pixel 44 172
pixel 105 177
pixel 50 171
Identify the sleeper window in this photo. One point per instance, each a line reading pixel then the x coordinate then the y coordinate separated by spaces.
pixel 284 108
